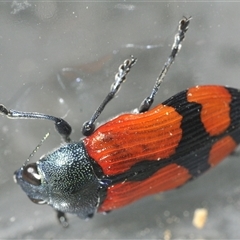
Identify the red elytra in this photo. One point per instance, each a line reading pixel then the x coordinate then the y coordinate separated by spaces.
pixel 156 135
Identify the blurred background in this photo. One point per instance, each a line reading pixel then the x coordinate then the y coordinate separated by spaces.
pixel 60 58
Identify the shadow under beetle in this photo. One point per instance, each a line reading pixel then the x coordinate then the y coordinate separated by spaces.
pixel 135 154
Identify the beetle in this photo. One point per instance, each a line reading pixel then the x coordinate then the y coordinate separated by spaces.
pixel 134 154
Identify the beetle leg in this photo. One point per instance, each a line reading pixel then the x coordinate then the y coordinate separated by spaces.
pixel 179 37
pixel 62 219
pixel 120 77
pixel 62 127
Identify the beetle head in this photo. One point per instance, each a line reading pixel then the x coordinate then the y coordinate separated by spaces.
pixel 63 179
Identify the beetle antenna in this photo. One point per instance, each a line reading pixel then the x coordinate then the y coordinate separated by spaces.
pixel 36 149
pixel 177 44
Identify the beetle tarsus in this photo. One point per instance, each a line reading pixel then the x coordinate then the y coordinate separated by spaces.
pixel 90 215
pixel 62 219
pixel 3 110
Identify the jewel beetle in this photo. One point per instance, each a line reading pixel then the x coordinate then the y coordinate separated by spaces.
pixel 134 154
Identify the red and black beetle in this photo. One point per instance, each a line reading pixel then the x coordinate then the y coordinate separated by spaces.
pixel 134 154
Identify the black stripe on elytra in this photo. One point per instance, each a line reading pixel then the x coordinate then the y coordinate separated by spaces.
pixel 234 128
pixel 189 148
pixel 139 171
pixel 194 147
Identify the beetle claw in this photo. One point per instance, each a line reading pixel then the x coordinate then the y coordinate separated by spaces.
pixel 62 219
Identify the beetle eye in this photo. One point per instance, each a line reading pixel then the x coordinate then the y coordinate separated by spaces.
pixel 38 201
pixel 30 174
